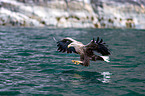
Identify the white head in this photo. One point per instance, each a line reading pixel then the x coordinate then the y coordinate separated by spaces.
pixel 71 45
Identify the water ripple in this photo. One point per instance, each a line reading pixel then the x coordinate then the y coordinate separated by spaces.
pixel 30 64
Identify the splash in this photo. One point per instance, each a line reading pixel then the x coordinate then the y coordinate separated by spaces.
pixel 106 77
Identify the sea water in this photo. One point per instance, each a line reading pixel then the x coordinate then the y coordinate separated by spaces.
pixel 31 65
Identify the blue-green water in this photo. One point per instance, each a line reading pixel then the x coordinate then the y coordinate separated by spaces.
pixel 30 64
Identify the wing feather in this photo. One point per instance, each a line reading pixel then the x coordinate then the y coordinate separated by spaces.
pixel 98 46
pixel 63 45
pixel 102 48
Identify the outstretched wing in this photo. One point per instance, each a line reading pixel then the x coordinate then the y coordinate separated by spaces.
pixel 63 45
pixel 98 46
pixel 102 48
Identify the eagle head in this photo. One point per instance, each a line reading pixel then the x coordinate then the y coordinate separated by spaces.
pixel 71 45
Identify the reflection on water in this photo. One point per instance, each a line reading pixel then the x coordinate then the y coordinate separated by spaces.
pixel 79 77
pixel 106 77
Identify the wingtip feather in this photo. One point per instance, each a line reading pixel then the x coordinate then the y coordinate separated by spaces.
pixel 55 39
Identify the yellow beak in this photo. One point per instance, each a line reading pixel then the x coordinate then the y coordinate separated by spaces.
pixel 68 46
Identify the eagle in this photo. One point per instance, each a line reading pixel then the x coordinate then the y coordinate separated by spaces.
pixel 86 52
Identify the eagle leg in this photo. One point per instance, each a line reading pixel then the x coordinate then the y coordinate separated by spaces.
pixel 77 62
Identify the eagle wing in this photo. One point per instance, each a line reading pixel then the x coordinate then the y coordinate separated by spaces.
pixel 63 45
pixel 98 46
pixel 101 47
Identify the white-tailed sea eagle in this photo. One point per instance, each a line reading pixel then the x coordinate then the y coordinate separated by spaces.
pixel 86 52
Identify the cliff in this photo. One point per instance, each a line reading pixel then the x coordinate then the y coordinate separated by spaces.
pixel 73 13
pixel 120 13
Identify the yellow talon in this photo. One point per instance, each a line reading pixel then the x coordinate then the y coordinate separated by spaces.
pixel 76 62
pixel 73 60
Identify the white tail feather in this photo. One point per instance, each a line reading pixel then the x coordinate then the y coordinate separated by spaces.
pixel 106 58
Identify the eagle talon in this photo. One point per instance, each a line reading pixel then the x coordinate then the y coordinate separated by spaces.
pixel 76 62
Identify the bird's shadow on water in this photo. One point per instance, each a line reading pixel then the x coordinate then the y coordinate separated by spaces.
pixel 86 76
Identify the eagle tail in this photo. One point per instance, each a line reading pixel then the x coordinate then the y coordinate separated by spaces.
pixel 105 58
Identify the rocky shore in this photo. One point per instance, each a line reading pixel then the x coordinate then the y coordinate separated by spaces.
pixel 73 13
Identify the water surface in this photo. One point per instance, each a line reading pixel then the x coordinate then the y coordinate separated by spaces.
pixel 30 64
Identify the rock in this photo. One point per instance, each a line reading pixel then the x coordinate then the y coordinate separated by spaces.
pixel 73 13
pixel 16 19
pixel 120 13
pixel 55 13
